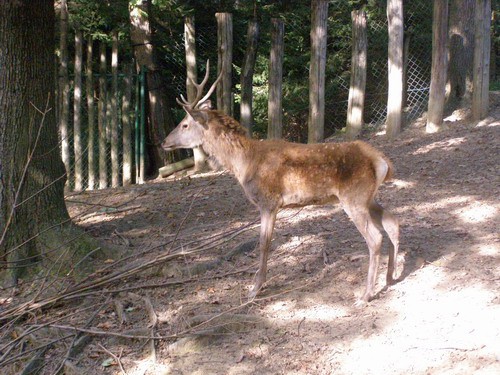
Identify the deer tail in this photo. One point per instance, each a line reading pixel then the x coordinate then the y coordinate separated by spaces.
pixel 383 169
pixel 390 171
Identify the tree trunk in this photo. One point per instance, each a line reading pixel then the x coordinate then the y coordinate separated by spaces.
pixel 159 114
pixel 200 158
pixel 481 77
pixel 395 76
pixel 246 115
pixel 225 61
pixel 32 187
pixel 77 106
pixel 461 53
pixel 275 106
pixel 357 87
pixel 64 86
pixel 316 123
pixel 438 69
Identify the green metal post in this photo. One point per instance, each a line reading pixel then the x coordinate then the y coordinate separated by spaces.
pixel 143 123
pixel 136 129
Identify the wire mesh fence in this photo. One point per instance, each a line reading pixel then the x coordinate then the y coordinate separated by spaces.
pixel 417 64
pixel 95 173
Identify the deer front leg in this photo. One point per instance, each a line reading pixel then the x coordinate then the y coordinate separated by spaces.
pixel 267 220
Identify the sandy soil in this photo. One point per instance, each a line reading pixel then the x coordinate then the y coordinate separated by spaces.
pixel 443 317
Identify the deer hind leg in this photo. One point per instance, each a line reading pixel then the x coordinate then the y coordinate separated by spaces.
pixel 373 237
pixel 267 220
pixel 387 221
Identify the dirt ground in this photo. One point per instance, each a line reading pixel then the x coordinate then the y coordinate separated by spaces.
pixel 442 317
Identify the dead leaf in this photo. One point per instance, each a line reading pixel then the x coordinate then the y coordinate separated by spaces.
pixel 105 325
pixel 108 362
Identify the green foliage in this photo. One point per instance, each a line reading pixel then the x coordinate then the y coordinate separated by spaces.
pixel 99 18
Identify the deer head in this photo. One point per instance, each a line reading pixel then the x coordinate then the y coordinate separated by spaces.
pixel 189 132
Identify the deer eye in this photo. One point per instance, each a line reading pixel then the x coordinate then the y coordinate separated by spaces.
pixel 185 126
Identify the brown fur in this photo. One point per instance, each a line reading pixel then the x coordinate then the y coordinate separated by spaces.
pixel 276 174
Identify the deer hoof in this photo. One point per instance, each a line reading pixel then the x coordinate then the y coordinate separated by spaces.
pixel 254 290
pixel 360 303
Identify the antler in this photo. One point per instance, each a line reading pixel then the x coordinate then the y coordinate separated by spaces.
pixel 199 90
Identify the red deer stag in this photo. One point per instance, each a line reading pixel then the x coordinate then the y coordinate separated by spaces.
pixel 275 174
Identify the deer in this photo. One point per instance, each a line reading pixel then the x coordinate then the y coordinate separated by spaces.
pixel 277 174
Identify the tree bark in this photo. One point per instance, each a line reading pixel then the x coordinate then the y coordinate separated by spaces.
pixel 482 49
pixel 461 53
pixel 225 61
pixel 32 174
pixel 246 110
pixel 316 123
pixel 357 87
pixel 395 76
pixel 439 65
pixel 275 106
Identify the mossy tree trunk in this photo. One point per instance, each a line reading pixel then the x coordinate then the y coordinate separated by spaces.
pixel 32 174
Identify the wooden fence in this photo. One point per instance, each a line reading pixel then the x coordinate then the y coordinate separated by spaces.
pixel 102 118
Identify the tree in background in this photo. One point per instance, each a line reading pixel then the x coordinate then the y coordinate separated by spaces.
pixel 32 175
pixel 461 52
pixel 439 65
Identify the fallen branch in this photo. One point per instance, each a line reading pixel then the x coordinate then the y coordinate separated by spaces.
pixel 80 340
pixel 176 167
pixel 71 293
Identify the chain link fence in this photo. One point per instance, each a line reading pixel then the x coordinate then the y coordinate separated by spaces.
pixel 417 67
pixel 90 170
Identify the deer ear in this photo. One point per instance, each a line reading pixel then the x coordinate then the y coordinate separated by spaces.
pixel 200 116
pixel 207 104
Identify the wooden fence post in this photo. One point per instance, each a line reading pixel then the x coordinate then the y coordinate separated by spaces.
pixel 89 87
pixel 127 127
pixel 200 158
pixel 275 106
pixel 225 60
pixel 77 105
pixel 115 162
pixel 395 75
pixel 64 88
pixel 102 106
pixel 190 47
pixel 316 123
pixel 356 102
pixel 480 93
pixel 439 66
pixel 246 116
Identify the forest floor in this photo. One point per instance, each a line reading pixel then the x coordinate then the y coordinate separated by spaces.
pixel 198 234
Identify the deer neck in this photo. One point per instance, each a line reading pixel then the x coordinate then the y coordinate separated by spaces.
pixel 230 150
